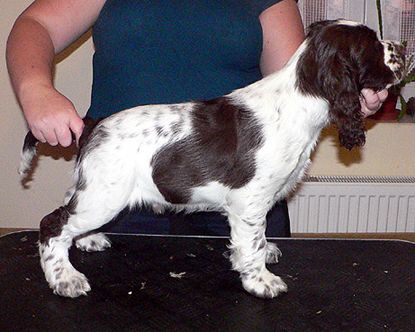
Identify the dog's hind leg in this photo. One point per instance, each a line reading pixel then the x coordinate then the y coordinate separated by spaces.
pixel 93 242
pixel 249 253
pixel 84 213
pixel 54 241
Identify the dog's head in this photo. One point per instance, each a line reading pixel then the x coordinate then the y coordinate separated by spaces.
pixel 340 59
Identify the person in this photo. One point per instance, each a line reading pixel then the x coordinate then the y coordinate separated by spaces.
pixel 149 52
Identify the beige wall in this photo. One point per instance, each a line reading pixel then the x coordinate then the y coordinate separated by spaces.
pixel 21 207
pixel 389 149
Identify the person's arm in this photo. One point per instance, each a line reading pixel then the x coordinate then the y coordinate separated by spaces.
pixel 283 32
pixel 44 29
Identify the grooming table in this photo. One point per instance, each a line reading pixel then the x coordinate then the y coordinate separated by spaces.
pixel 152 283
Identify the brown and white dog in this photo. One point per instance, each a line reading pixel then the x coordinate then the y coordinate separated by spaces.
pixel 237 154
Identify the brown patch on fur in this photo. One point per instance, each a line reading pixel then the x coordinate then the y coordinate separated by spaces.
pixel 52 224
pixel 221 148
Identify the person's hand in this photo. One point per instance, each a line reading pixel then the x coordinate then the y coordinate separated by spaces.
pixel 51 117
pixel 371 101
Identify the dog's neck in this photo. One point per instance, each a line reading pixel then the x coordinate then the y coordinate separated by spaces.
pixel 277 95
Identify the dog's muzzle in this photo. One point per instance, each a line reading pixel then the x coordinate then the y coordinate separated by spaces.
pixel 395 58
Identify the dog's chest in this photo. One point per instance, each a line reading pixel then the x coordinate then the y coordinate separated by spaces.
pixel 284 156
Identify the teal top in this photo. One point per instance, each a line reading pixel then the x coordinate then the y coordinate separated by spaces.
pixel 155 51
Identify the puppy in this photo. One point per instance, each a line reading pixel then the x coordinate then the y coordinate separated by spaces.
pixel 237 154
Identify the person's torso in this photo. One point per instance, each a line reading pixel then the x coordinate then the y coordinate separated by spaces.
pixel 155 51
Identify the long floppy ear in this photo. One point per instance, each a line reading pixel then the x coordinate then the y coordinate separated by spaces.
pixel 340 83
pixel 345 112
pixel 349 121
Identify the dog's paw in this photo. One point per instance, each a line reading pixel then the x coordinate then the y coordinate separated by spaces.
pixel 69 282
pixel 264 284
pixel 158 208
pixel 93 242
pixel 272 253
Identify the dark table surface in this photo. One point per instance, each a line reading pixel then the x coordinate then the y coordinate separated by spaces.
pixel 147 283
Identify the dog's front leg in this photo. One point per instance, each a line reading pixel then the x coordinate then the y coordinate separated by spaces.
pixel 249 253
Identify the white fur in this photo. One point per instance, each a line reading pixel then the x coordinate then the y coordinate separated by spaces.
pixel 26 161
pixel 347 22
pixel 391 60
pixel 93 242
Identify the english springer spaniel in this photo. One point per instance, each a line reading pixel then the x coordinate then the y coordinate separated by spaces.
pixel 237 154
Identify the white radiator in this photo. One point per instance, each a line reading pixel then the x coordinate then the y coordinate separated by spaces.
pixel 353 205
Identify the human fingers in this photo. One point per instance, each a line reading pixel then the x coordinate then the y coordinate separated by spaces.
pixel 371 101
pixel 63 135
pixel 383 94
pixel 76 125
pixel 39 136
pixel 50 135
pixel 49 114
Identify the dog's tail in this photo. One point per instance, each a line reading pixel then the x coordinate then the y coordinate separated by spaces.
pixel 30 143
pixel 28 153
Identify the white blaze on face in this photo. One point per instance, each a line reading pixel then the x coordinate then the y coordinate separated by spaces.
pixel 394 58
pixel 347 22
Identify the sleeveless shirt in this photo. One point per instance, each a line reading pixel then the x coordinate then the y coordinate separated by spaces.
pixel 157 51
